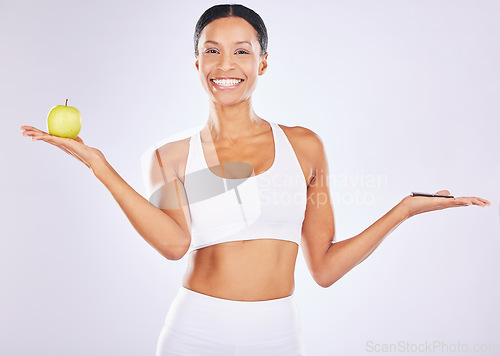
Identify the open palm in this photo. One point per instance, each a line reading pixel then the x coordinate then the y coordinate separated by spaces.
pixel 418 204
pixel 74 147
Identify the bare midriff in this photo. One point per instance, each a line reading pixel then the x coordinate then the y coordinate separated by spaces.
pixel 249 270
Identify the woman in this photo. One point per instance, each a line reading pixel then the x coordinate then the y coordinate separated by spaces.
pixel 238 197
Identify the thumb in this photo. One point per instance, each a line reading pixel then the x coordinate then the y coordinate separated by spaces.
pixel 79 139
pixel 444 192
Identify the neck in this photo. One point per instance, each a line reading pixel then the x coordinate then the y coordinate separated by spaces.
pixel 230 122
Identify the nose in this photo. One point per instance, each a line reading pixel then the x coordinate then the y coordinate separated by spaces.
pixel 226 62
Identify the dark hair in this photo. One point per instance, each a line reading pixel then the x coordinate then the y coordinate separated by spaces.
pixel 232 10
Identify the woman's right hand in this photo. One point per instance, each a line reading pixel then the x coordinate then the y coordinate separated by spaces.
pixel 414 205
pixel 89 156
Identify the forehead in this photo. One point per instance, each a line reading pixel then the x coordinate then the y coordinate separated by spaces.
pixel 228 30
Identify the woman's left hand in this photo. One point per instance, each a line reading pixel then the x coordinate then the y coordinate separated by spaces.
pixel 414 205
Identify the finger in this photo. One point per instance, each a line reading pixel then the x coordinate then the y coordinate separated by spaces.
pixel 58 141
pixel 27 128
pixel 28 132
pixel 51 138
pixel 33 133
pixel 473 201
pixel 477 201
pixel 487 202
pixel 33 129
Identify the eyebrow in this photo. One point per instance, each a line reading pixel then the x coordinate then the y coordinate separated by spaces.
pixel 238 42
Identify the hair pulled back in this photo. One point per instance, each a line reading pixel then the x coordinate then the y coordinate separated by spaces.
pixel 232 10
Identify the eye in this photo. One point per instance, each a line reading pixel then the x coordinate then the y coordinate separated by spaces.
pixel 238 51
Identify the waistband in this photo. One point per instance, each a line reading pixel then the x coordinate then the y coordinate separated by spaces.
pixel 236 305
pixel 264 327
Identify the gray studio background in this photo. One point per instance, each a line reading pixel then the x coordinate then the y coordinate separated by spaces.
pixel 404 95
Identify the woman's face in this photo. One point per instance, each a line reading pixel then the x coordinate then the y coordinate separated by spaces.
pixel 223 54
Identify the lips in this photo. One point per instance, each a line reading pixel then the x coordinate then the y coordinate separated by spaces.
pixel 225 87
pixel 226 78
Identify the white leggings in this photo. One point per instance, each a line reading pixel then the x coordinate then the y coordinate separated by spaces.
pixel 201 325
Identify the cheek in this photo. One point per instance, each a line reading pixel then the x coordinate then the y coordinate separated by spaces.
pixel 205 68
pixel 250 68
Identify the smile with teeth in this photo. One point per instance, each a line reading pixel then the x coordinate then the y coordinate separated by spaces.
pixel 227 82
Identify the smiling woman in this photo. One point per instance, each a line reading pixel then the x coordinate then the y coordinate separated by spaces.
pixel 237 294
pixel 226 11
pixel 231 52
pixel 238 198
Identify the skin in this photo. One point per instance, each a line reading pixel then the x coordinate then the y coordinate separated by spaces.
pixel 251 269
pixel 254 269
pixel 231 115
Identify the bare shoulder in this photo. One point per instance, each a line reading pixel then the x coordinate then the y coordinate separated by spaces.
pixel 171 157
pixel 304 140
pixel 309 149
pixel 175 149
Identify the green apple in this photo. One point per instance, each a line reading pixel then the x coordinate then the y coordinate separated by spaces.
pixel 64 121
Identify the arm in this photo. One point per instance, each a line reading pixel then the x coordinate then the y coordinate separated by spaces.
pixel 160 230
pixel 342 256
pixel 329 260
pixel 165 229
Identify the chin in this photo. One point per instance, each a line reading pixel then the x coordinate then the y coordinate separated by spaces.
pixel 224 99
pixel 227 103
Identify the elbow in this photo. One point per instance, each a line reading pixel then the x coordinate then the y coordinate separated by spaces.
pixel 323 285
pixel 325 280
pixel 177 251
pixel 321 279
pixel 327 273
pixel 173 258
pixel 326 283
pixel 174 254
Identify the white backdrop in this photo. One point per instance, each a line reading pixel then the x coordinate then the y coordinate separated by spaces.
pixel 404 95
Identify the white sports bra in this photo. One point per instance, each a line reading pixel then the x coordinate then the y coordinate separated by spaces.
pixel 270 205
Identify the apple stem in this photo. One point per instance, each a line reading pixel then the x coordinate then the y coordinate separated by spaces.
pixel 66 103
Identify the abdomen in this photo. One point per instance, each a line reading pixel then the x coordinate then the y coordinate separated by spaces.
pixel 247 270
